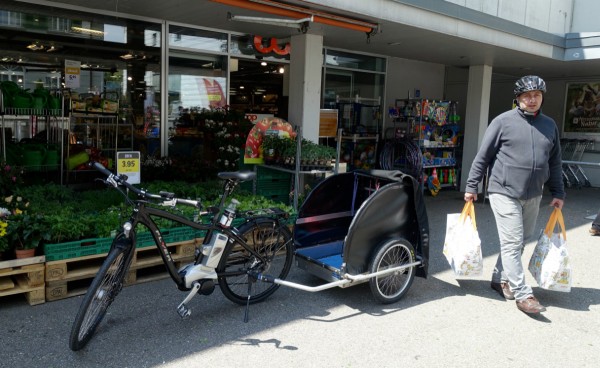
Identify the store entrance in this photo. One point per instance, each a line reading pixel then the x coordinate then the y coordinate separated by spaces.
pixel 256 87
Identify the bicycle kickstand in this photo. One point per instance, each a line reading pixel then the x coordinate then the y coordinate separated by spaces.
pixel 251 280
pixel 182 308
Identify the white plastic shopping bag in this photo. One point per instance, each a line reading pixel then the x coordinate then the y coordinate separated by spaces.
pixel 550 264
pixel 462 246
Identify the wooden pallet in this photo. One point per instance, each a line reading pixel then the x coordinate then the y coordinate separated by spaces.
pixel 71 277
pixel 23 276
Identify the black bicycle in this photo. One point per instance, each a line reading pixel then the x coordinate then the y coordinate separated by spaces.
pixel 232 256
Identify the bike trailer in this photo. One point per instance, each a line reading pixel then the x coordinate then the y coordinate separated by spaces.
pixel 347 217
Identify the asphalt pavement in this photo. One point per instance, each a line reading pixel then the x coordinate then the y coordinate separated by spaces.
pixel 441 322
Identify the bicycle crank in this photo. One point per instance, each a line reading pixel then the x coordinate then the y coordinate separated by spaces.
pixel 182 308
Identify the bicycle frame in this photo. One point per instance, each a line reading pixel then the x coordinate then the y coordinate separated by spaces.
pixel 143 215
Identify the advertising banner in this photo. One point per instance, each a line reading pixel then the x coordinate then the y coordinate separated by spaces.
pixel 582 108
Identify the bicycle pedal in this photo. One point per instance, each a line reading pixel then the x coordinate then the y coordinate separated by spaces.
pixel 183 311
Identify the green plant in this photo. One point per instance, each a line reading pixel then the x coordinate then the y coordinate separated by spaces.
pixel 4 245
pixel 225 131
pixel 270 145
pixel 27 231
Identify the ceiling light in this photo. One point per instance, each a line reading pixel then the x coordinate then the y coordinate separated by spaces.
pixel 93 32
pixel 281 70
pixel 263 63
pixel 130 56
pixel 35 46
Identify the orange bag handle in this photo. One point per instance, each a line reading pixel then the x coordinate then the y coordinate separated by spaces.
pixel 556 217
pixel 468 210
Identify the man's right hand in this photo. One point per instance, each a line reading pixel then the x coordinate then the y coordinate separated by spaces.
pixel 470 197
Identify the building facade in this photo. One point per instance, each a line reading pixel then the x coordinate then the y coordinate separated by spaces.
pixel 165 59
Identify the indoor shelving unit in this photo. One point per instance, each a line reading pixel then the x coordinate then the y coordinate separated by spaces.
pixel 431 128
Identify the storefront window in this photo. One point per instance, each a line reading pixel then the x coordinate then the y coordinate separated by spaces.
pixel 340 59
pixel 117 78
pixel 349 85
pixel 197 39
pixel 197 82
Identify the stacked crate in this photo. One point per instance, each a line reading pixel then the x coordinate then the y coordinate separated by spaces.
pixel 23 276
pixel 273 184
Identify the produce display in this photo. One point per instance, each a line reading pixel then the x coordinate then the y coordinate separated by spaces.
pixel 253 153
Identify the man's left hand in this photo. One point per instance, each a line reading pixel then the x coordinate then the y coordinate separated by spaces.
pixel 558 203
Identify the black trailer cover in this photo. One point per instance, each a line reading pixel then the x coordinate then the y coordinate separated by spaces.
pixel 365 209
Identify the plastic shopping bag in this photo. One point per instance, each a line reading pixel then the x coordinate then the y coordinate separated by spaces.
pixel 550 264
pixel 462 246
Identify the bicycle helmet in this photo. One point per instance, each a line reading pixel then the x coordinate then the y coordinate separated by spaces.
pixel 529 83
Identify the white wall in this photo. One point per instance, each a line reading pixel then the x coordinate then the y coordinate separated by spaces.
pixel 552 16
pixel 405 76
pixel 585 16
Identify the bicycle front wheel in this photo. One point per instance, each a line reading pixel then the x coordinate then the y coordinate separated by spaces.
pixel 101 293
pixel 273 243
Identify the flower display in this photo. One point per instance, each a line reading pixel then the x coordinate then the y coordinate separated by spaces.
pixel 20 229
pixel 228 131
pixel 3 229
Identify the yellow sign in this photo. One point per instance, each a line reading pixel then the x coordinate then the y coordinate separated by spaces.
pixel 72 73
pixel 128 163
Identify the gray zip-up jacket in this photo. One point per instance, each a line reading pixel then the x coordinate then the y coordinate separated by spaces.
pixel 522 152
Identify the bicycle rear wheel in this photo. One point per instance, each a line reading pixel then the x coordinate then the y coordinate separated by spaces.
pixel 267 238
pixel 104 288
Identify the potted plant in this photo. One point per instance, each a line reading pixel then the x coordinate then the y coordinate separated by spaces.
pixel 270 146
pixel 26 232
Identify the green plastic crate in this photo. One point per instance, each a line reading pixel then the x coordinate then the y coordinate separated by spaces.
pixel 263 173
pixel 173 235
pixel 79 248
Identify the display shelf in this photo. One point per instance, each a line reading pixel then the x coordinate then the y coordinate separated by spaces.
pixel 359 115
pixel 433 128
pixel 96 136
pixel 297 172
pixel 33 138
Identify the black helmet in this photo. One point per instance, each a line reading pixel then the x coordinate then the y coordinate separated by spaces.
pixel 529 83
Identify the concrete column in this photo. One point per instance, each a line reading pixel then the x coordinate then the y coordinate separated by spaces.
pixel 476 116
pixel 306 61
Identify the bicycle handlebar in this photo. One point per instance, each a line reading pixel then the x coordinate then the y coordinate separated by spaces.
pixel 167 198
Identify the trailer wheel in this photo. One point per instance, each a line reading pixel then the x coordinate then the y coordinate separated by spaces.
pixel 391 287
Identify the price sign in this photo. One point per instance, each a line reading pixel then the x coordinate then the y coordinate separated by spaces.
pixel 72 73
pixel 128 163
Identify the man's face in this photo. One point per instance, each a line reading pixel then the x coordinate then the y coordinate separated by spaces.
pixel 530 101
